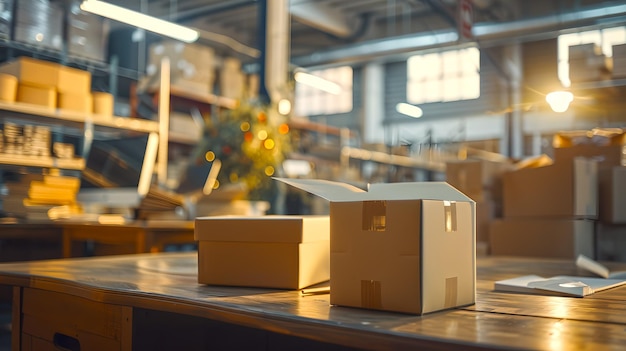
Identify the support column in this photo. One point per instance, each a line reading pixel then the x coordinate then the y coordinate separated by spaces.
pixel 373 103
pixel 274 42
pixel 513 141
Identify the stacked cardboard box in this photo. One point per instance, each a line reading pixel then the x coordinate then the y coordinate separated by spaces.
pixel 549 210
pixel 588 63
pixel 231 79
pixel 53 85
pixel 87 35
pixel 192 67
pixel 619 61
pixel 481 180
pixel 39 196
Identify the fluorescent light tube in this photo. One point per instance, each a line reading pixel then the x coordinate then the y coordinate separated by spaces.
pixel 140 20
pixel 317 82
pixel 409 110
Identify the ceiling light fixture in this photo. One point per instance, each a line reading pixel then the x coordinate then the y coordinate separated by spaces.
pixel 140 20
pixel 559 100
pixel 409 110
pixel 317 82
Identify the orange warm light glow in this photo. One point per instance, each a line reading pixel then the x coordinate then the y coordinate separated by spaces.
pixel 283 128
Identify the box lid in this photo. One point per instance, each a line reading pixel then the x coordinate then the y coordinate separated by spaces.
pixel 270 228
pixel 341 192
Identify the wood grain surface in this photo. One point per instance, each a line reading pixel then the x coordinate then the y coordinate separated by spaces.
pixel 168 282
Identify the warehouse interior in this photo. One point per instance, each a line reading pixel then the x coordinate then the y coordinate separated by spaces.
pixel 415 91
pixel 118 132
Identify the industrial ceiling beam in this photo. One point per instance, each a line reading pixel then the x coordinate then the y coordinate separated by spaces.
pixel 321 16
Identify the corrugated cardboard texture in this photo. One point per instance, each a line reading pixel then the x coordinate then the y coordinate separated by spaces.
pixel 538 237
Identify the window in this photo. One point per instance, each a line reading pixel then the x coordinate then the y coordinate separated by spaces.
pixel 312 100
pixel 444 76
pixel 604 38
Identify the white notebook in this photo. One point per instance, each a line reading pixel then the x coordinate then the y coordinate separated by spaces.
pixel 558 285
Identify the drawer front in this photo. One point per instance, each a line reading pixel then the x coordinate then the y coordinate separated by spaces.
pixel 73 323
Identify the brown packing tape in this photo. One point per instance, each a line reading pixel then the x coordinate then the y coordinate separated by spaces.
pixel 371 294
pixel 450 216
pixel 374 216
pixel 451 292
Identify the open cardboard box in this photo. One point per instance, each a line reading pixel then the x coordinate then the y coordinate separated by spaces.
pixel 283 252
pixel 404 247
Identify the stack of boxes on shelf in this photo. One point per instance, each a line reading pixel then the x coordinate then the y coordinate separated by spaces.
pixel 192 67
pixel 588 63
pixel 56 86
pixel 619 61
pixel 192 70
pixel 552 207
pixel 41 196
pixel 607 147
pixel 481 180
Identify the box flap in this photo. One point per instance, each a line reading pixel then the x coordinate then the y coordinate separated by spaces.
pixel 341 192
pixel 332 191
pixel 418 190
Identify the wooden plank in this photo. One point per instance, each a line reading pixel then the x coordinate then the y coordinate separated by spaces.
pixel 168 282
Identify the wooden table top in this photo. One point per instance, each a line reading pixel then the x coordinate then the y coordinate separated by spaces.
pixel 167 282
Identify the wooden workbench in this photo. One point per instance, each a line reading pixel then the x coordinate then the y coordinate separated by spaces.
pixel 56 239
pixel 152 301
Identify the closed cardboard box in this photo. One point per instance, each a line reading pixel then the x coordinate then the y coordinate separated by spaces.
pixel 403 247
pixel 76 102
pixel 37 95
pixel 32 71
pixel 74 81
pixel 192 66
pixel 38 72
pixel 478 179
pixel 562 190
pixel 540 237
pixel 613 195
pixel 284 252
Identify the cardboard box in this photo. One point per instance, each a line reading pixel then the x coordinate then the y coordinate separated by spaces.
pixel 478 179
pixel 613 195
pixel 74 81
pixel 32 71
pixel 562 190
pixel 192 66
pixel 38 72
pixel 76 102
pixel 404 247
pixel 604 145
pixel 37 95
pixel 284 252
pixel 540 237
